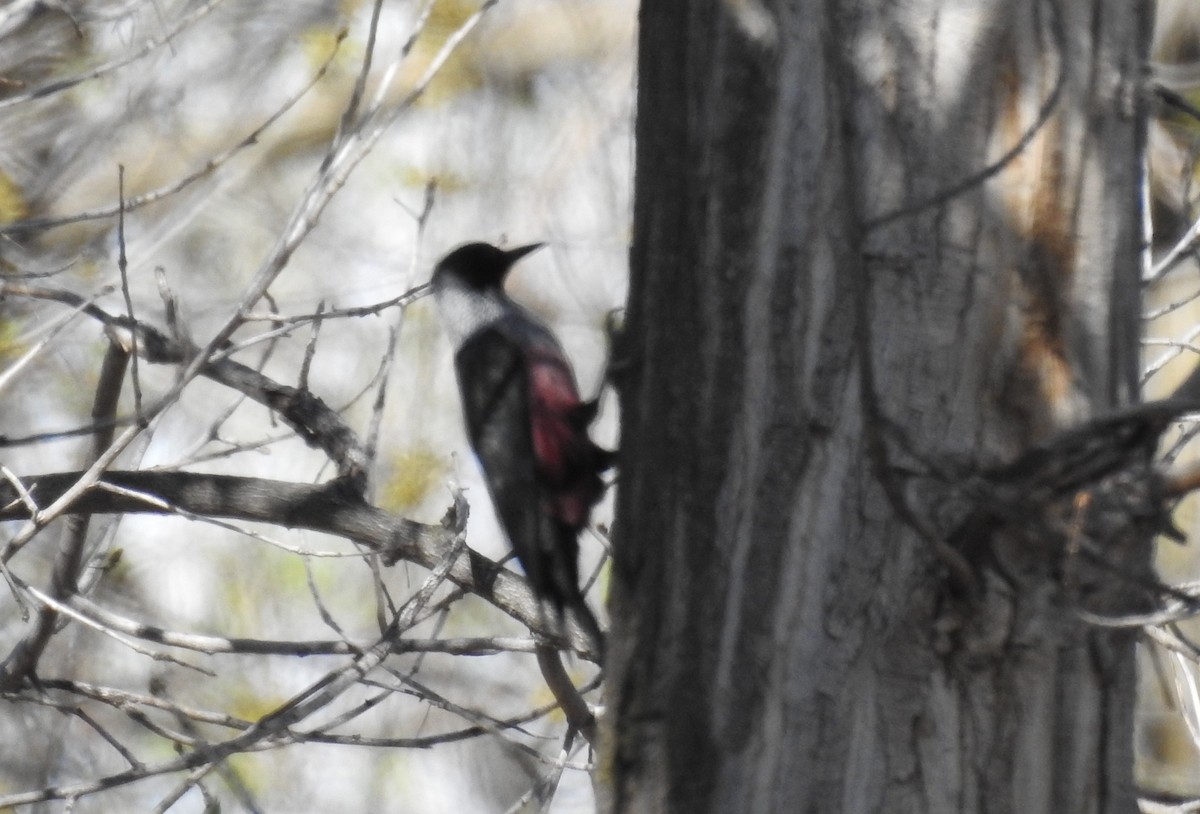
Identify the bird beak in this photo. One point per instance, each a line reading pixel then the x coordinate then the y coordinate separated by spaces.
pixel 516 254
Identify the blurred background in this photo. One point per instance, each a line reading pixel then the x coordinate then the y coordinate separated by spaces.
pixel 1169 715
pixel 221 113
pixel 524 135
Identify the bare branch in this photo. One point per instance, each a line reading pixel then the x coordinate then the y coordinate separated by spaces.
pixel 308 415
pixel 59 85
pixel 64 583
pixel 327 508
pixel 579 716
pixel 123 268
pixel 207 168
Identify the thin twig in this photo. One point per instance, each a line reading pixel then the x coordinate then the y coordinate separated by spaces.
pixel 64 583
pixel 579 715
pixel 323 508
pixel 207 168
pixel 59 85
pixel 977 178
pixel 123 268
pixel 310 350
pixel 56 327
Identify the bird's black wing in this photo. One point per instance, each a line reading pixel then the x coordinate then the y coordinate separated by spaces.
pixel 494 380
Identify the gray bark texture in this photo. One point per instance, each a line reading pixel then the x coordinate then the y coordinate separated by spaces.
pixel 879 247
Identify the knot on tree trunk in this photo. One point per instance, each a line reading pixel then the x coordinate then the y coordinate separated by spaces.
pixel 1080 510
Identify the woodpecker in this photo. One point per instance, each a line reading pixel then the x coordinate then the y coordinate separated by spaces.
pixel 525 421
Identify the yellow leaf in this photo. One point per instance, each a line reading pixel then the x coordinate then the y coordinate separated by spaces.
pixel 11 345
pixel 461 71
pixel 12 203
pixel 414 473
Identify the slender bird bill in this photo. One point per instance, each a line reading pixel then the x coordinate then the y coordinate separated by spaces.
pixel 516 254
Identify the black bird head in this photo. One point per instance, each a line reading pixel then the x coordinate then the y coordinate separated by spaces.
pixel 480 266
pixel 468 285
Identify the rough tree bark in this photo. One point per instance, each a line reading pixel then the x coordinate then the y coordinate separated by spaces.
pixel 878 247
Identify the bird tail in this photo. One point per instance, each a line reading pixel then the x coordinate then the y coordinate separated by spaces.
pixel 561 588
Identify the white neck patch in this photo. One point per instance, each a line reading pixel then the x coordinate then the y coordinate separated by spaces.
pixel 465 311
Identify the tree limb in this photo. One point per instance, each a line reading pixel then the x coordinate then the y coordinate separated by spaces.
pixel 329 508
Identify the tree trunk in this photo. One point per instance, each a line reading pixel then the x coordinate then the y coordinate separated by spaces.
pixel 878 247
